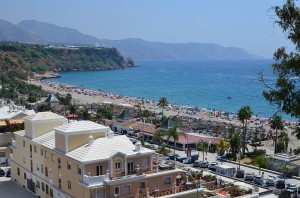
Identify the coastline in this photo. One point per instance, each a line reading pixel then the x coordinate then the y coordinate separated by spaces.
pixel 88 96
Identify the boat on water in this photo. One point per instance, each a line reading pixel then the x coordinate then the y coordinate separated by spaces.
pixel 229 97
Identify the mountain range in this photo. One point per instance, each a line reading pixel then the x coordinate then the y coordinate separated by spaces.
pixel 32 31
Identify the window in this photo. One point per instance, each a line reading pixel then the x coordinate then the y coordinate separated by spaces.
pixel 42 169
pixel 79 170
pixel 50 173
pixel 52 157
pixel 126 190
pixel 18 171
pixel 25 176
pixel 38 184
pixel 167 180
pixel 118 165
pixel 37 167
pixel 46 154
pixel 23 143
pixel 99 170
pixel 46 171
pixel 69 184
pixel 51 192
pixel 43 187
pixel 34 148
pixel 2 154
pixel 130 168
pixel 58 162
pixel 117 190
pixel 47 189
pixel 68 165
pixel 59 183
pixel 41 152
pixel 142 184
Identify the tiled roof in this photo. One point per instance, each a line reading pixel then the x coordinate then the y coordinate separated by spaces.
pixel 47 140
pixel 44 116
pixel 104 148
pixel 77 126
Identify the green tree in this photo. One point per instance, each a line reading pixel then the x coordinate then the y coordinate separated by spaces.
pixel 85 114
pixel 203 146
pixel 163 103
pixel 73 109
pixel 104 113
pixel 146 114
pixel 260 161
pixel 256 139
pixel 285 92
pixel 244 115
pixel 174 134
pixel 222 146
pixel 276 124
pixel 296 132
pixel 280 147
pixel 159 136
pixel 235 144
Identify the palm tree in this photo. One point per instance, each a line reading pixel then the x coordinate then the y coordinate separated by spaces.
pixel 276 124
pixel 261 161
pixel 222 146
pixel 72 108
pixel 203 146
pixel 163 103
pixel 174 134
pixel 146 114
pixel 244 115
pixel 234 144
pixel 159 136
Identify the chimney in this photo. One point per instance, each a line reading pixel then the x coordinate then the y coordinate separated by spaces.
pixel 110 134
pixel 91 140
pixel 138 147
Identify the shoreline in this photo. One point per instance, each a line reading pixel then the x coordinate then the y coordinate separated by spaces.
pixel 88 96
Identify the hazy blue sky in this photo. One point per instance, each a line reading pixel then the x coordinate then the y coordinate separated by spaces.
pixel 230 23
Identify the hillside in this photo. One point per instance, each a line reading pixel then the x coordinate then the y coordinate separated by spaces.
pixel 42 58
pixel 136 48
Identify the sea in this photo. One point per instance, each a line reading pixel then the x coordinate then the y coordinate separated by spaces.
pixel 225 85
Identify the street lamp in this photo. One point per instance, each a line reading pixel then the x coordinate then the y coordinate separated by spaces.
pixel 238 155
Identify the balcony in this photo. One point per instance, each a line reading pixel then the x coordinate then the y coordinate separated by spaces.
pixel 94 180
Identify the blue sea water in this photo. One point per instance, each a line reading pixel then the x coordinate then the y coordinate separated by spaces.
pixel 206 84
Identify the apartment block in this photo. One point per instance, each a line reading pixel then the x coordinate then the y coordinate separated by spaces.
pixel 54 158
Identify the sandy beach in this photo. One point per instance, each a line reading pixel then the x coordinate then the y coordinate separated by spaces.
pixel 88 96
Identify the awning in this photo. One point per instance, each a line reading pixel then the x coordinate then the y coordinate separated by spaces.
pixel 2 123
pixel 16 121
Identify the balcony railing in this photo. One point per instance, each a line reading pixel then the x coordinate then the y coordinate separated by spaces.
pixel 94 180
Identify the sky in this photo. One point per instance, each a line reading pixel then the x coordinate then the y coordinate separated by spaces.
pixel 231 23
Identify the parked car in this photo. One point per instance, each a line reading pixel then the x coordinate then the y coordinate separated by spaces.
pixel 249 177
pixel 204 164
pixel 259 180
pixel 2 173
pixel 280 184
pixel 166 166
pixel 181 159
pixel 212 166
pixel 194 157
pixel 221 157
pixel 292 188
pixel 188 160
pixel 8 173
pixel 270 181
pixel 240 173
pixel 134 141
pixel 173 156
pixel 197 163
